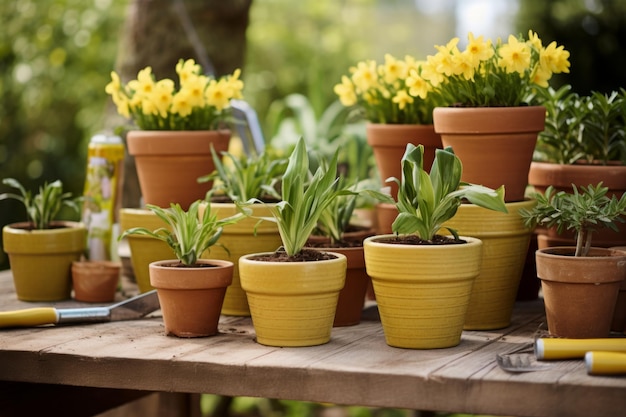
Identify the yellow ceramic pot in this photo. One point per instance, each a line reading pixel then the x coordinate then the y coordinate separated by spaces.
pixel 292 303
pixel 422 291
pixel 41 260
pixel 144 249
pixel 505 244
pixel 242 238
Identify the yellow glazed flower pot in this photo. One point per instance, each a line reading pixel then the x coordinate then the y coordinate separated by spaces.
pixel 422 290
pixel 143 249
pixel 242 238
pixel 41 260
pixel 505 244
pixel 292 303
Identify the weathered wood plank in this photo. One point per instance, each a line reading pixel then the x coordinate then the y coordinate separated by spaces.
pixel 357 367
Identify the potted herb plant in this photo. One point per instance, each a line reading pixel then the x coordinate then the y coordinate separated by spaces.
pixel 191 290
pixel 487 119
pixel 41 250
pixel 580 283
pixel 338 232
pixel 423 280
pixel 584 142
pixel 237 179
pixel 293 291
pixel 398 106
pixel 177 125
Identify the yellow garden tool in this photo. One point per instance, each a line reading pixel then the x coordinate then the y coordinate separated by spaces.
pixel 549 349
pixel 605 363
pixel 133 308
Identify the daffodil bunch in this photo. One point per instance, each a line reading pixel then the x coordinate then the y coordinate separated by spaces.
pixel 392 92
pixel 199 102
pixel 493 74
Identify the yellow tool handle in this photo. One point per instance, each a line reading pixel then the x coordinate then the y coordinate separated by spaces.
pixel 605 363
pixel 29 317
pixel 547 348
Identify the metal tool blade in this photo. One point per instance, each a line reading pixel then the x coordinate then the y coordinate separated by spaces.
pixel 133 308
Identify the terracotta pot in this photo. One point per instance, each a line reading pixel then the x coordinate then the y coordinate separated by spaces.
pixel 386 214
pixel 143 249
pixel 95 281
pixel 495 144
pixel 292 303
pixel 191 297
pixel 505 245
pixel 41 260
pixel 618 324
pixel 170 162
pixel 562 177
pixel 242 238
pixel 422 291
pixel 388 142
pixel 580 292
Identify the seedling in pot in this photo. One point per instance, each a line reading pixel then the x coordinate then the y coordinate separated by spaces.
pixel 426 201
pixel 584 211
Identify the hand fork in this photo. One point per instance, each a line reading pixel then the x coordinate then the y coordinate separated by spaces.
pixel 521 360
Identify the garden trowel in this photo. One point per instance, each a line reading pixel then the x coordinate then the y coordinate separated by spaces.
pixel 133 308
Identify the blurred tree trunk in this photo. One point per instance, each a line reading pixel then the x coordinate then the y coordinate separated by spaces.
pixel 160 32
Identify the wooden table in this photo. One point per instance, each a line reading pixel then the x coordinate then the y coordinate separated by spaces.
pixel 355 368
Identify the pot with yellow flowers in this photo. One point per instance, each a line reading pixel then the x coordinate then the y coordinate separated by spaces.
pixel 398 105
pixel 488 120
pixel 176 127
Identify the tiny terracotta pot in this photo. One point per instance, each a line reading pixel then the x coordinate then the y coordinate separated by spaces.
pixel 618 324
pixel 191 298
pixel 580 292
pixel 95 281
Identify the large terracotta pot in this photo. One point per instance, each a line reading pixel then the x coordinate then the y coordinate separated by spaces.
pixel 543 174
pixel 41 260
pixel 191 297
pixel 169 163
pixel 422 291
pixel 505 245
pixel 242 238
pixel 580 293
pixel 388 142
pixel 495 144
pixel 292 303
pixel 144 249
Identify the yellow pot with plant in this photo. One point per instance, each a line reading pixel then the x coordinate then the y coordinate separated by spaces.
pixel 178 125
pixel 293 291
pixel 423 280
pixel 41 250
pixel 489 119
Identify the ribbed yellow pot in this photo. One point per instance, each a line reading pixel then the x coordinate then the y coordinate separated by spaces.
pixel 143 249
pixel 41 260
pixel 422 291
pixel 241 239
pixel 292 303
pixel 505 244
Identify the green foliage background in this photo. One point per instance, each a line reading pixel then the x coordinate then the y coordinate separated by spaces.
pixel 56 56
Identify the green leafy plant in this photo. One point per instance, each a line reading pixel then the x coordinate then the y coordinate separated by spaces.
pixel 304 198
pixel 583 211
pixel 41 208
pixel 336 219
pixel 426 201
pixel 190 235
pixel 590 129
pixel 247 177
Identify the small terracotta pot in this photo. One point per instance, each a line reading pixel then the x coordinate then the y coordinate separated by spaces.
pixel 580 292
pixel 191 298
pixel 618 324
pixel 95 281
pixel 386 213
